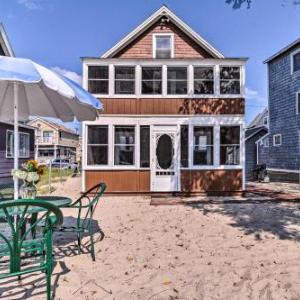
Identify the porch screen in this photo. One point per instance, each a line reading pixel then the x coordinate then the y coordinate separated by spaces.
pixel 151 80
pixel 230 145
pixel 203 145
pixel 145 146
pixel 97 145
pixel 230 80
pixel 124 145
pixel 203 80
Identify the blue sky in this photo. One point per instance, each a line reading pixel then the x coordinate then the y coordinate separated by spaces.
pixel 56 33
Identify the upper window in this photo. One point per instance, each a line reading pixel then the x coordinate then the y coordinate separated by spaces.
pixel 24 144
pixel 47 136
pixel 203 80
pixel 151 80
pixel 296 62
pixel 266 120
pixel 98 79
pixel 277 140
pixel 230 145
pixel 298 103
pixel 124 145
pixel 177 80
pixel 163 46
pixel 230 80
pixel 124 80
pixel 203 145
pixel 97 145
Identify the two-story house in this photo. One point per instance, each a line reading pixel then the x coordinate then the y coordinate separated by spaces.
pixel 26 133
pixel 282 156
pixel 173 118
pixel 53 140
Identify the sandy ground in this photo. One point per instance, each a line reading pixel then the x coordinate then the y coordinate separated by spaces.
pixel 224 251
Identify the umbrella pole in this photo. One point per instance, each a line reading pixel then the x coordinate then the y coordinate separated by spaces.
pixel 16 137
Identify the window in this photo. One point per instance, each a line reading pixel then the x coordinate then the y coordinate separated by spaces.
pixel 266 142
pixel 230 145
pixel 47 136
pixel 203 145
pixel 163 46
pixel 265 121
pixel 298 103
pixel 45 153
pixel 97 145
pixel 177 80
pixel 24 144
pixel 296 61
pixel 124 80
pixel 124 145
pixel 203 80
pixel 98 79
pixel 151 80
pixel 145 146
pixel 184 146
pixel 277 140
pixel 230 80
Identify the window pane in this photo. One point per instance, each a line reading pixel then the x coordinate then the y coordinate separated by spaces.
pixel 203 145
pixel 151 73
pixel 124 135
pixel 151 87
pixel 163 47
pixel 230 135
pixel 203 87
pixel 98 72
pixel 124 155
pixel 97 155
pixel 203 156
pixel 151 80
pixel 177 73
pixel 124 87
pixel 230 155
pixel 177 80
pixel 145 146
pixel 230 72
pixel 98 86
pixel 124 72
pixel 203 73
pixel 97 134
pixel 184 146
pixel 296 62
pixel 231 87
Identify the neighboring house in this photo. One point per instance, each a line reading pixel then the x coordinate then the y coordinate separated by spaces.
pixel 282 157
pixel 173 118
pixel 54 140
pixel 257 129
pixel 26 133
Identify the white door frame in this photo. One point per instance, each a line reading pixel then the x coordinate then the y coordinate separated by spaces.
pixel 167 182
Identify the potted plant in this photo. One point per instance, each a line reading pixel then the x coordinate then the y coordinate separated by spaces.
pixel 30 174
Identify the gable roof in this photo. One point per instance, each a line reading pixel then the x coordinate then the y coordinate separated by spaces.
pixel 254 131
pixel 284 50
pixel 163 11
pixel 4 42
pixel 258 120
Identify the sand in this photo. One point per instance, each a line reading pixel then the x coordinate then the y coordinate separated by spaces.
pixel 224 251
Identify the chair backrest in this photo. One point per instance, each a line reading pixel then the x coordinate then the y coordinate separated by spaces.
pixel 16 231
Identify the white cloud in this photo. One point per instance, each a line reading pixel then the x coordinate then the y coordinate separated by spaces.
pixel 255 96
pixel 69 74
pixel 30 4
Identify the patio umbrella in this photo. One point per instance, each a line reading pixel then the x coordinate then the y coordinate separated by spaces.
pixel 29 89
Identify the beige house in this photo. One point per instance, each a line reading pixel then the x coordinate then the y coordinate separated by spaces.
pixel 54 140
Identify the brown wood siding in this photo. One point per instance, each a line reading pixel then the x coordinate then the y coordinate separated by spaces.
pixel 184 46
pixel 170 106
pixel 120 180
pixel 195 181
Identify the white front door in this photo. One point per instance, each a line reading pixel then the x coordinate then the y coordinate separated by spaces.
pixel 165 158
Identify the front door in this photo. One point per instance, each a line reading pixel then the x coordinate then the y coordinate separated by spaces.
pixel 164 159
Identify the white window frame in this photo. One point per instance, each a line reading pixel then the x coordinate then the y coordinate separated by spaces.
pixel 241 80
pixel 266 118
pixel 292 61
pixel 141 79
pixel 188 81
pixel 297 103
pixel 274 137
pixel 8 155
pixel 99 79
pixel 113 91
pixel 155 35
pixel 192 78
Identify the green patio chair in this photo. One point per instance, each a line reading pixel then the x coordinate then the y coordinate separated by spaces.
pixel 20 252
pixel 85 205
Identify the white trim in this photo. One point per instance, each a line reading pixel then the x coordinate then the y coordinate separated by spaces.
pixel 5 43
pixel 283 170
pixel 261 138
pixel 297 102
pixel 292 61
pixel 154 46
pixel 274 136
pixel 163 11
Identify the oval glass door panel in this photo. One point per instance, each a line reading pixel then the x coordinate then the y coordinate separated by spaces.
pixel 164 152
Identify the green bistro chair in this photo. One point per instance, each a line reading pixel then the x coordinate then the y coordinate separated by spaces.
pixel 21 252
pixel 85 206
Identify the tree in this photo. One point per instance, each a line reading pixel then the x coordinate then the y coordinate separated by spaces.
pixel 236 4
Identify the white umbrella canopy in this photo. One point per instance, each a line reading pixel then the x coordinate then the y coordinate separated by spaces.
pixel 29 89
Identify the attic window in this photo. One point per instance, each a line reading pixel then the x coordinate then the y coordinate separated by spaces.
pixel 296 61
pixel 162 46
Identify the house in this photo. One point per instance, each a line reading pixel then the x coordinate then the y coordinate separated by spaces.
pixel 256 130
pixel 26 133
pixel 54 140
pixel 282 157
pixel 173 118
